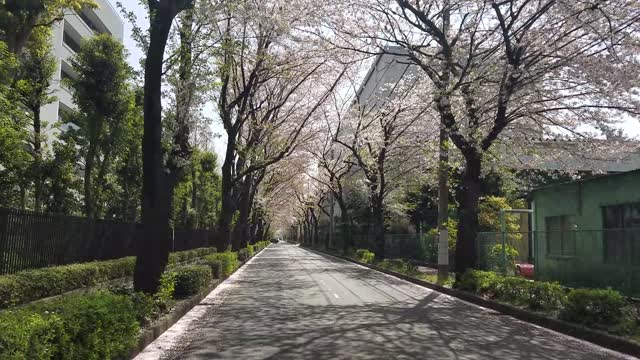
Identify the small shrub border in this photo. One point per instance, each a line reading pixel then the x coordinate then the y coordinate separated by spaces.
pixel 102 324
pixel 31 285
pixel 190 279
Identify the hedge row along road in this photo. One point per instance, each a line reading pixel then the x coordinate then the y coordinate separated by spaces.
pixel 290 303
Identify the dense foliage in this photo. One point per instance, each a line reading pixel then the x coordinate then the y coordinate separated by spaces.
pixel 31 285
pixel 89 326
pixel 190 279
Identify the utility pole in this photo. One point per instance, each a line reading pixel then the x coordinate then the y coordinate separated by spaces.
pixel 443 169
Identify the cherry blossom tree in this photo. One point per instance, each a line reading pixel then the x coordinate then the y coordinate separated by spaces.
pixel 272 82
pixel 506 71
pixel 386 143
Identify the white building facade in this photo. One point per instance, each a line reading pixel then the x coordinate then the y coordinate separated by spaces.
pixel 67 36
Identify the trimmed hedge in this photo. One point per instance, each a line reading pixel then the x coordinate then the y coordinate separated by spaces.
pixel 599 308
pixel 536 295
pixel 190 279
pixel 243 255
pixel 604 309
pixel 182 256
pixel 100 325
pixel 222 264
pixel 36 284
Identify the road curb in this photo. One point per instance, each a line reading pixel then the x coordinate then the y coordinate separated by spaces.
pixel 593 336
pixel 150 334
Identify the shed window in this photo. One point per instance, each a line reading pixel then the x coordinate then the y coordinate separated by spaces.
pixel 561 239
pixel 621 233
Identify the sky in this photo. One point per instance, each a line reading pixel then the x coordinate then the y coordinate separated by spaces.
pixel 135 54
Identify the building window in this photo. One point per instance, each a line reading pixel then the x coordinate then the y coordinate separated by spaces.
pixel 561 237
pixel 88 21
pixel 65 76
pixel 70 42
pixel 621 233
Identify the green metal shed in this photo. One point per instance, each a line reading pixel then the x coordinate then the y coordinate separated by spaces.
pixel 587 232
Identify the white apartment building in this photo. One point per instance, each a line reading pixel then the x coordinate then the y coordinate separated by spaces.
pixel 67 36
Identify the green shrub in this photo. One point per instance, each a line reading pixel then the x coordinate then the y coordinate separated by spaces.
pixel 365 256
pixel 187 255
pixel 222 264
pixel 477 281
pixel 594 307
pixel 190 279
pixel 215 264
pixel 35 284
pixel 260 245
pixel 99 325
pixel 150 307
pixel 537 295
pixel 25 334
pixel 251 250
pixel 243 255
pixel 511 289
pixel 545 295
pixel 495 258
pixel 397 265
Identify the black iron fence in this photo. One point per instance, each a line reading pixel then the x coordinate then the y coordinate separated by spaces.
pixel 31 240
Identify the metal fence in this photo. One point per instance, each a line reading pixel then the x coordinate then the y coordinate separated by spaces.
pixel 31 240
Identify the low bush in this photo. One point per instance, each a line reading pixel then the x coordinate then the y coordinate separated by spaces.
pixel 99 325
pixel 25 334
pixel 35 284
pixel 187 255
pixel 243 255
pixel 150 307
pixel 545 295
pixel 251 250
pixel 190 279
pixel 365 256
pixel 477 281
pixel 222 264
pixel 511 289
pixel 261 245
pixel 536 295
pixel 397 265
pixel 594 307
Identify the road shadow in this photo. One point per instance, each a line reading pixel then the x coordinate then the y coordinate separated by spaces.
pixel 265 316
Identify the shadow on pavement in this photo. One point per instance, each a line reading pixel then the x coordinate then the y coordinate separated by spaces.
pixel 276 310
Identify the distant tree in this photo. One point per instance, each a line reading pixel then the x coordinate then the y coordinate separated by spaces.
pixel 14 135
pixel 104 99
pixel 37 66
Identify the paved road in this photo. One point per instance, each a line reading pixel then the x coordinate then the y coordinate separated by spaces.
pixel 290 303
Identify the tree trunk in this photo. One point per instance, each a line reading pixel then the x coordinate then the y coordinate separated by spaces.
pixel 194 197
pixel 153 251
pixel 88 187
pixel 378 229
pixel 228 207
pixel 443 206
pixel 240 233
pixel 466 251
pixel 37 159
